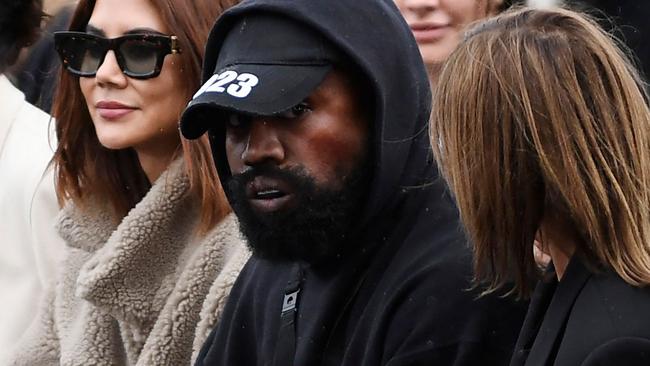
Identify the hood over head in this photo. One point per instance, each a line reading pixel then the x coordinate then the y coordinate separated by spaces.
pixel 369 33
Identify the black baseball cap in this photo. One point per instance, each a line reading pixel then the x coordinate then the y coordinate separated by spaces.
pixel 267 64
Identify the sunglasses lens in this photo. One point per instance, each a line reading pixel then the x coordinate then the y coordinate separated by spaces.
pixel 140 57
pixel 92 57
pixel 81 56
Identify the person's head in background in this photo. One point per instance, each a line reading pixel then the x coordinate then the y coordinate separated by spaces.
pixel 541 129
pixel 20 22
pixel 439 25
pixel 52 7
pixel 117 109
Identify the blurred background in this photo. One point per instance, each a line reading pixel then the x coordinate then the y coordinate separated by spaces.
pixel 36 71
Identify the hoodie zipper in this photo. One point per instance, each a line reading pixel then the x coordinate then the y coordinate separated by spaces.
pixel 286 343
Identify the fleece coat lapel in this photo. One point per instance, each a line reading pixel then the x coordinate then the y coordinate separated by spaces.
pixel 132 274
pixel 144 291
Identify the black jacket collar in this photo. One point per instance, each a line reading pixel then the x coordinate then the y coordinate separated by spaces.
pixel 549 310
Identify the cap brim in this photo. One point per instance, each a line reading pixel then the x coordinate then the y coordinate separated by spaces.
pixel 279 88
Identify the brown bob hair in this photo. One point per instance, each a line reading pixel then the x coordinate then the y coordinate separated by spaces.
pixel 86 171
pixel 540 115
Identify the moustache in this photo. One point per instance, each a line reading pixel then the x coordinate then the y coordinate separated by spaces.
pixel 296 177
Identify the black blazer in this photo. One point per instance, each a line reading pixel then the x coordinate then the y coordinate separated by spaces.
pixel 586 319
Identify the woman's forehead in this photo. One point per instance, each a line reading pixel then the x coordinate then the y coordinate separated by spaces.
pixel 117 17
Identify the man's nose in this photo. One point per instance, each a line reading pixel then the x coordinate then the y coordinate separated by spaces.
pixel 263 144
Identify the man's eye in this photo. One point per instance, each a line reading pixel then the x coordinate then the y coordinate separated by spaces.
pixel 296 111
pixel 235 121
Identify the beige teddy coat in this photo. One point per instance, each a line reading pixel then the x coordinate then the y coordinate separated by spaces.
pixel 146 292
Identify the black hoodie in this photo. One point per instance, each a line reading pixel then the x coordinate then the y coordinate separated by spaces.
pixel 402 298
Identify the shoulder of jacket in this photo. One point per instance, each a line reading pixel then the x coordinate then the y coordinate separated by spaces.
pixel 629 351
pixel 608 288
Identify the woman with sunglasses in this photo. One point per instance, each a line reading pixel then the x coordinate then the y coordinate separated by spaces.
pixel 152 247
pixel 543 133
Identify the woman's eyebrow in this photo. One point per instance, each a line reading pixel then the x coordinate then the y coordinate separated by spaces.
pixel 144 30
pixel 97 31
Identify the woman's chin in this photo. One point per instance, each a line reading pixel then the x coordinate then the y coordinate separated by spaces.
pixel 115 144
pixel 435 54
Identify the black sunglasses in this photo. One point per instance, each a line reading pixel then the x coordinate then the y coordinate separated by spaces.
pixel 139 56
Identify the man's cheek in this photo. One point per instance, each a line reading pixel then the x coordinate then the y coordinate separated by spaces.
pixel 233 154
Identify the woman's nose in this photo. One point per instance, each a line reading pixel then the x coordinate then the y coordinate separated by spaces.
pixel 109 72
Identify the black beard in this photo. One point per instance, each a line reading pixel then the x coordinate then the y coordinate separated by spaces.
pixel 313 230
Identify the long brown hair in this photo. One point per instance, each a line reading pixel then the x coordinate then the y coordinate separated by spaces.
pixel 539 114
pixel 88 171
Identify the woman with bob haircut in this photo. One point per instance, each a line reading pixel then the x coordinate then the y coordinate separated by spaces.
pixel 153 249
pixel 540 126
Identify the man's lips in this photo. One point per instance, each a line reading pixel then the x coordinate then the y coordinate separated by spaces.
pixel 268 194
pixel 428 32
pixel 112 110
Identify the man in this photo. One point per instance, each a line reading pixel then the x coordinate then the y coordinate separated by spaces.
pixel 317 111
pixel 29 245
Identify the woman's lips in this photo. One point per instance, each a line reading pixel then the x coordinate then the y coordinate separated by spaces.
pixel 428 32
pixel 111 110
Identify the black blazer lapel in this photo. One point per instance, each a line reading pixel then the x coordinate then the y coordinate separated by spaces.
pixel 551 329
pixel 539 302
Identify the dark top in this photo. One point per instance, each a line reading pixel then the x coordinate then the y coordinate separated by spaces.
pixel 586 319
pixel 400 297
pixel 406 304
